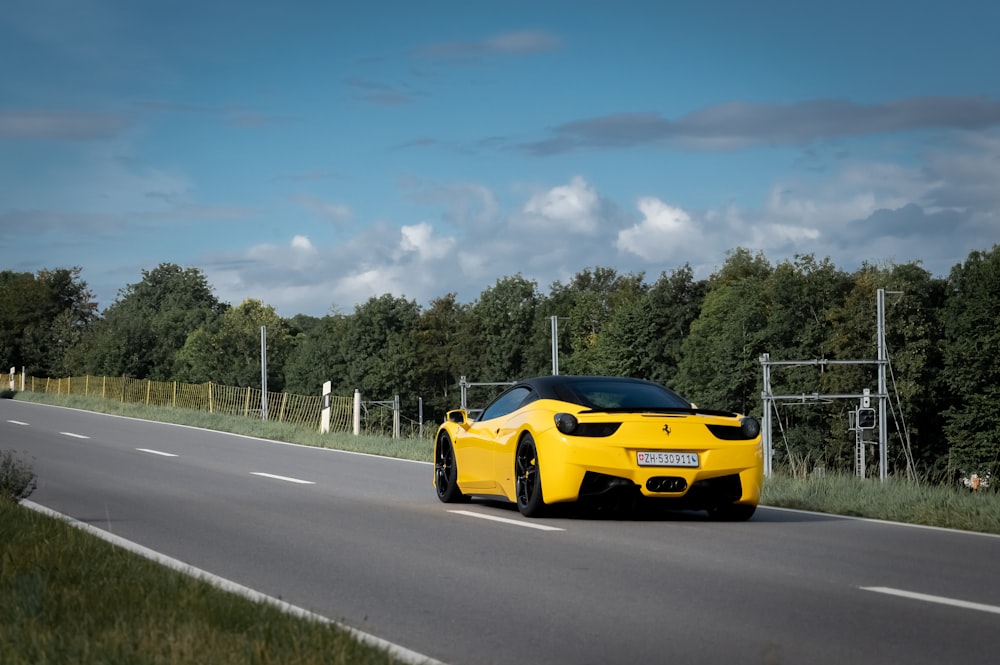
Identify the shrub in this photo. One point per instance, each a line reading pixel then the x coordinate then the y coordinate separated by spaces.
pixel 17 478
pixel 7 393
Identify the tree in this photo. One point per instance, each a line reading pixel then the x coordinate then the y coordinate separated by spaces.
pixel 798 294
pixel 440 338
pixel 150 321
pixel 318 357
pixel 917 393
pixel 913 339
pixel 228 350
pixel 42 318
pixel 719 364
pixel 643 337
pixel 972 363
pixel 589 301
pixel 503 324
pixel 380 351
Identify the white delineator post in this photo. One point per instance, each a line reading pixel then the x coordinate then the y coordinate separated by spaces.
pixel 324 421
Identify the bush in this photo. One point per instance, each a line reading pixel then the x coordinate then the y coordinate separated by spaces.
pixel 7 393
pixel 17 478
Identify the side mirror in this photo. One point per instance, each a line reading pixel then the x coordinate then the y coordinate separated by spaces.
pixel 459 416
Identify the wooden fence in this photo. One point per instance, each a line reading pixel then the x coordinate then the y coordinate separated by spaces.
pixel 303 410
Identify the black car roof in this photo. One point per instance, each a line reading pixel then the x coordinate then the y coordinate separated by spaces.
pixel 547 387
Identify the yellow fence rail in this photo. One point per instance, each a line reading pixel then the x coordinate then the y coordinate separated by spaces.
pixel 302 410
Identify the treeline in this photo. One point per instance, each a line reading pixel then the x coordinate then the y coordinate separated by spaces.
pixel 702 337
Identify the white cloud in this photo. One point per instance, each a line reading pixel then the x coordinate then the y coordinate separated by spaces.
pixel 574 207
pixel 420 239
pixel 662 233
pixel 359 286
pixel 303 244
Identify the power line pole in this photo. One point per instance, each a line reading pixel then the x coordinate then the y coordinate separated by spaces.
pixel 263 372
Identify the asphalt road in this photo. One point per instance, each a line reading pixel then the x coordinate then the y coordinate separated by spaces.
pixel 363 540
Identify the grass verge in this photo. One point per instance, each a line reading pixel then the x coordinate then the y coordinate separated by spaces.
pixel 894 500
pixel 68 597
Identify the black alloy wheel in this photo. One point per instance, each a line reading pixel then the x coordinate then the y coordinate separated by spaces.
pixel 527 478
pixel 446 472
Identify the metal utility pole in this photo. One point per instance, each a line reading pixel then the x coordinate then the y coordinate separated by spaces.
pixel 555 345
pixel 263 372
pixel 770 399
pixel 883 388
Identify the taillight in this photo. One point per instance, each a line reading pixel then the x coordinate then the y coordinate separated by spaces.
pixel 567 423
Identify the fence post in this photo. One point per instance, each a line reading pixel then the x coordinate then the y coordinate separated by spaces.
pixel 357 412
pixel 175 395
pixel 395 417
pixel 149 389
pixel 210 397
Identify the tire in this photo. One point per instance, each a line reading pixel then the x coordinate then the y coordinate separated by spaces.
pixel 446 471
pixel 528 479
pixel 732 512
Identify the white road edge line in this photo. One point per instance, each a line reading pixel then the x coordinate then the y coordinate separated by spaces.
pixel 16 422
pixel 941 600
pixel 493 518
pixel 285 478
pixel 155 452
pixel 402 653
pixel 75 436
pixel 872 520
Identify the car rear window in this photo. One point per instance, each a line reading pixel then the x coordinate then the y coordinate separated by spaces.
pixel 605 394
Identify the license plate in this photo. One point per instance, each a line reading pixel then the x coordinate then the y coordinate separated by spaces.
pixel 658 458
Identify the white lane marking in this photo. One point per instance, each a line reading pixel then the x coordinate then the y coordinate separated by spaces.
pixel 941 600
pixel 16 422
pixel 285 478
pixel 75 436
pixel 155 452
pixel 493 518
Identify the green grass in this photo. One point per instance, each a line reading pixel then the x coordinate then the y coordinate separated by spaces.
pixel 894 500
pixel 69 597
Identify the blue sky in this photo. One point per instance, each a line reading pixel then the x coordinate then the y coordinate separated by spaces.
pixel 315 154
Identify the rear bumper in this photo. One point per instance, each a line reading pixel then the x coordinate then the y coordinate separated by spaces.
pixel 730 473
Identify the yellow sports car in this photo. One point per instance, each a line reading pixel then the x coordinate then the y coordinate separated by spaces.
pixel 557 439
